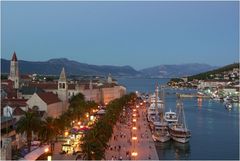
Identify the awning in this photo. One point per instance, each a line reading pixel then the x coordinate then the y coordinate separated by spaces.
pixel 36 153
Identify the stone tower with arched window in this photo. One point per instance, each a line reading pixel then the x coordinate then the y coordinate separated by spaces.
pixel 14 72
pixel 63 87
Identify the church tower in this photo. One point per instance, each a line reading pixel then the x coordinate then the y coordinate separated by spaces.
pixel 63 87
pixel 14 73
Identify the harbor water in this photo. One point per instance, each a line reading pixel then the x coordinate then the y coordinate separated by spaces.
pixel 214 129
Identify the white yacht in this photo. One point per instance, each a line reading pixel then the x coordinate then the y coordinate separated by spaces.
pixel 170 117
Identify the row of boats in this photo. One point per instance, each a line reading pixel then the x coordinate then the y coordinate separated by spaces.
pixel 166 125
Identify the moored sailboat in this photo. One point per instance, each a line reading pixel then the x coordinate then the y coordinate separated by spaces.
pixel 179 131
pixel 160 127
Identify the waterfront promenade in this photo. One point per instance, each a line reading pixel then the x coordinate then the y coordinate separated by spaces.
pixel 130 143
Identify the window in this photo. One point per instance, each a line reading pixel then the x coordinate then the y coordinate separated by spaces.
pixel 35 108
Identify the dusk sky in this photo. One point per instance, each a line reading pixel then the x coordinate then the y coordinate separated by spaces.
pixel 139 34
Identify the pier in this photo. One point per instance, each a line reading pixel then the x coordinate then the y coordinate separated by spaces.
pixel 132 139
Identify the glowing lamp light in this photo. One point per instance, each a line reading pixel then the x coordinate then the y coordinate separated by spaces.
pixel 137 106
pixel 134 138
pixel 134 120
pixel 134 115
pixel 141 103
pixel 134 110
pixel 134 128
pixel 91 118
pixel 134 154
pixel 87 115
pixel 79 123
pixel 46 150
pixel 81 126
pixel 66 133
pixel 49 158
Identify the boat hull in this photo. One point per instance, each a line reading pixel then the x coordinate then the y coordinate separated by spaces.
pixel 161 139
pixel 181 139
pixel 179 135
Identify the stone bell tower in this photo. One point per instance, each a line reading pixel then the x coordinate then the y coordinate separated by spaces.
pixel 63 87
pixel 14 72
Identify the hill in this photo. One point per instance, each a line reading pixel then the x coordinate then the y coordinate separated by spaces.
pixel 171 71
pixel 54 66
pixel 210 74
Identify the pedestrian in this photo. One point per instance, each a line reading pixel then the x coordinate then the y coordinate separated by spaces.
pixel 149 157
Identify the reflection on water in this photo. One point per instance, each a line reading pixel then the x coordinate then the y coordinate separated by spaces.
pixel 199 102
pixel 212 125
pixel 182 151
pixel 178 150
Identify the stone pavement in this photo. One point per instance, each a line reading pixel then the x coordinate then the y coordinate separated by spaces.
pixel 122 145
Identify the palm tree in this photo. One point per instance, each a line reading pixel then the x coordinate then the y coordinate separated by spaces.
pixel 28 123
pixel 93 147
pixel 48 130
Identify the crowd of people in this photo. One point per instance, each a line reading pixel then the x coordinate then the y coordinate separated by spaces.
pixel 122 145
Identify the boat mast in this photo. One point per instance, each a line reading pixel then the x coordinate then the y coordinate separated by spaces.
pixel 185 125
pixel 163 103
pixel 156 101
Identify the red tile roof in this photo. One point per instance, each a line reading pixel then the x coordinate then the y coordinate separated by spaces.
pixel 50 86
pixel 14 57
pixel 6 81
pixel 44 85
pixel 7 87
pixel 18 111
pixel 14 102
pixel 25 76
pixel 49 97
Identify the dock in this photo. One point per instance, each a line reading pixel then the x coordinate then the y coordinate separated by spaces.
pixel 144 145
pixel 181 95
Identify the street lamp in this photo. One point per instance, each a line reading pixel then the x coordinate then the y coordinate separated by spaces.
pixel 46 150
pixel 134 128
pixel 134 138
pixel 87 115
pixel 134 154
pixel 66 133
pixel 49 158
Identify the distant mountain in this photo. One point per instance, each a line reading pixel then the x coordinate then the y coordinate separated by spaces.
pixel 171 71
pixel 212 73
pixel 54 67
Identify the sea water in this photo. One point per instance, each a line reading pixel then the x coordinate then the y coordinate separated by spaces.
pixel 214 129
